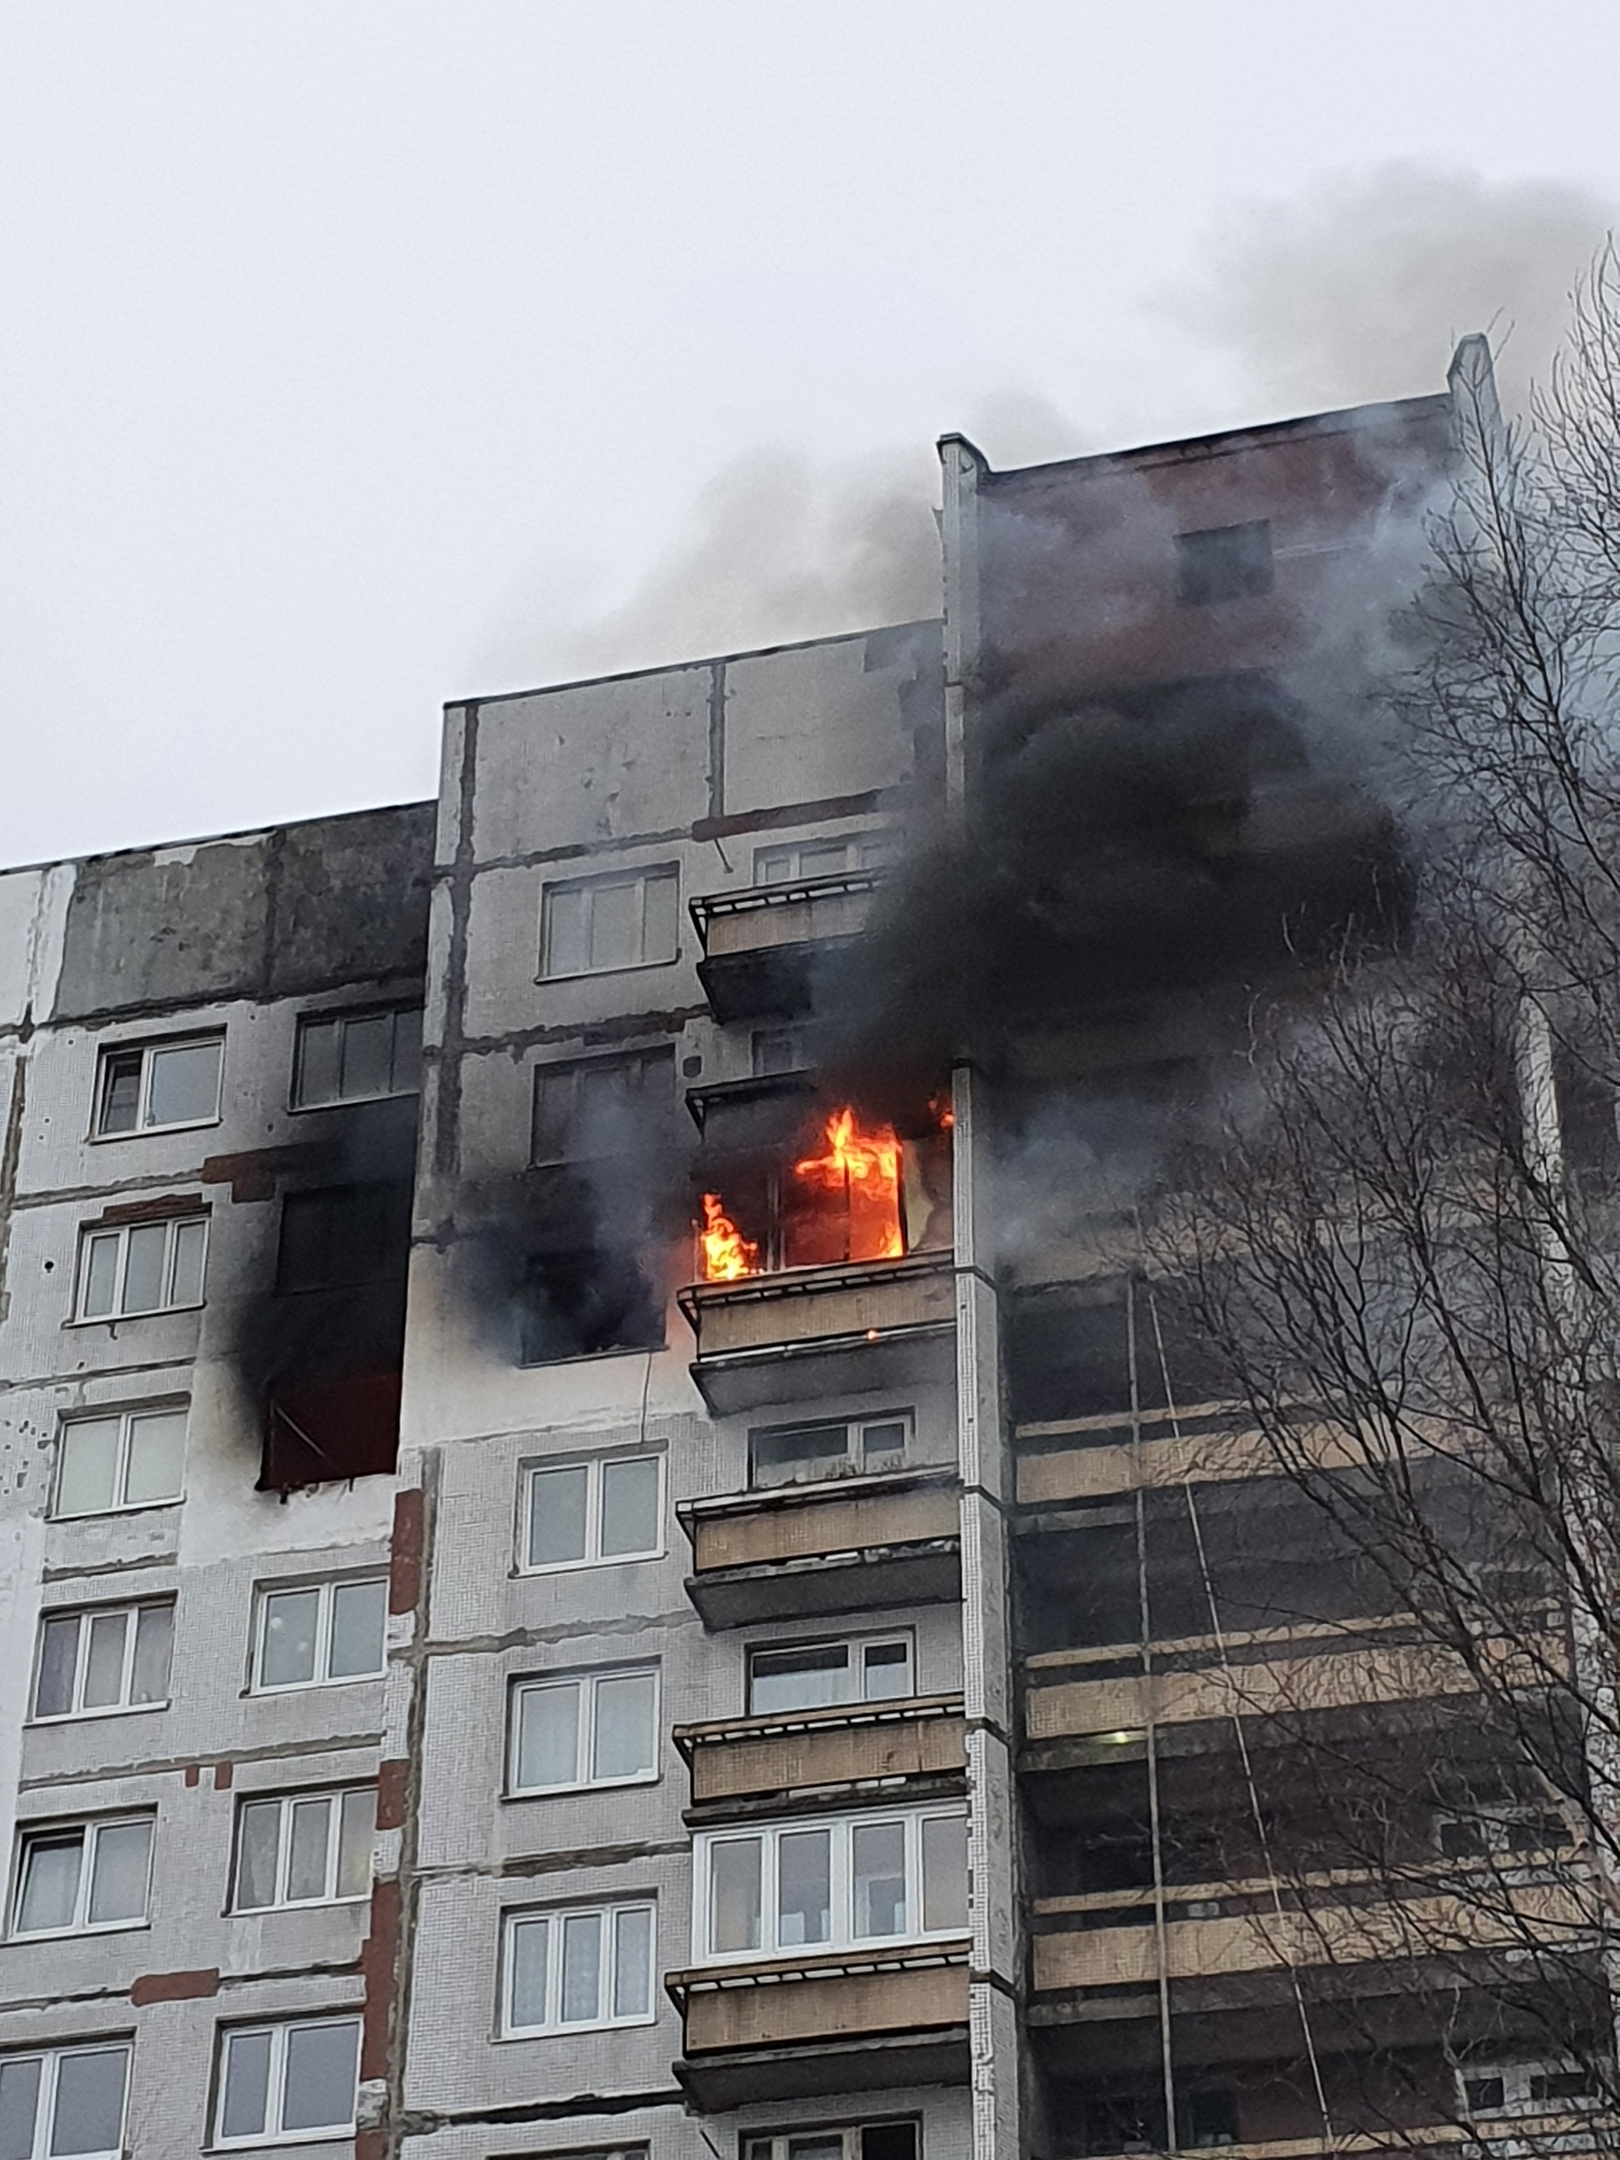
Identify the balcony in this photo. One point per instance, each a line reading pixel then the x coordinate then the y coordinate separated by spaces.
pixel 843 1545
pixel 743 1760
pixel 823 2024
pixel 761 947
pixel 840 1329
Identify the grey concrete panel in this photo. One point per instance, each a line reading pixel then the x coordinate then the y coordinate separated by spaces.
pixel 816 722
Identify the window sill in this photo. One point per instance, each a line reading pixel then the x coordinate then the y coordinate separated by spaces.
pixel 121 1319
pixel 20 1941
pixel 154 1132
pixel 351 1102
pixel 580 1567
pixel 333 2134
pixel 312 1687
pixel 85 1717
pixel 567 2032
pixel 631 967
pixel 639 1782
pixel 301 1905
pixel 131 1507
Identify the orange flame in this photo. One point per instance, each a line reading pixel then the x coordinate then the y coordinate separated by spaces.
pixel 727 1254
pixel 866 1165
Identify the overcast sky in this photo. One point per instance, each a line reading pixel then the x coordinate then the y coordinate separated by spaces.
pixel 360 354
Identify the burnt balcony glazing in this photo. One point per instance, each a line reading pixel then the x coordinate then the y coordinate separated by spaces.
pixel 761 947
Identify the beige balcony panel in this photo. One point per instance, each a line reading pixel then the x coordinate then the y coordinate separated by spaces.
pixel 808 1304
pixel 840 1747
pixel 803 920
pixel 847 1519
pixel 1114 1466
pixel 842 2006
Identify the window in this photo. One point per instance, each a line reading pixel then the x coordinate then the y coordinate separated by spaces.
pixel 287 2081
pixel 304 1848
pixel 64 2100
pixel 141 1267
pixel 800 1454
pixel 1227 562
pixel 154 1087
pixel 853 1880
pixel 111 1657
pixel 579 1514
pixel 792 861
pixel 803 1676
pixel 1525 2088
pixel 585 1729
pixel 339 1237
pixel 128 1459
pixel 567 1969
pixel 320 1634
pixel 624 920
pixel 357 1057
pixel 1493 1831
pixel 589 1109
pixel 863 2141
pixel 74 1877
pixel 778 1050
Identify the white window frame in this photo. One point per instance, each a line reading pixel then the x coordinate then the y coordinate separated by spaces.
pixel 92 1233
pixel 587 1683
pixel 841 1936
pixel 85 1615
pixel 555 1916
pixel 323 1677
pixel 276 2097
pixel 855 1645
pixel 148 1049
pixel 593 1466
pixel 91 1829
pixel 876 843
pixel 339 1017
pixel 129 1416
pixel 50 2060
pixel 1517 2078
pixel 334 1795
pixel 651 873
pixel 779 2144
pixel 855 1430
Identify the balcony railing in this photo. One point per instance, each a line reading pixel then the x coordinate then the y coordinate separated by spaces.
pixel 857 1325
pixel 846 1543
pixel 760 946
pixel 919 1738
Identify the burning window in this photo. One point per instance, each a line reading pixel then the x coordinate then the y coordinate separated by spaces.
pixel 1227 562
pixel 842 1190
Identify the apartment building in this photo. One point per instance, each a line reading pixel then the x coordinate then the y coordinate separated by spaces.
pixel 725 1662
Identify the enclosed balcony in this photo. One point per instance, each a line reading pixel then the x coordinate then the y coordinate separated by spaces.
pixel 844 1544
pixel 917 1742
pixel 762 947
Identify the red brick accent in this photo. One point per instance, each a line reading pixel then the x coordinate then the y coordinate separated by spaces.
pixel 391 1777
pixel 370 2145
pixel 158 1209
pixel 377 1969
pixel 252 1174
pixel 223 1773
pixel 192 1773
pixel 174 1987
pixel 405 1558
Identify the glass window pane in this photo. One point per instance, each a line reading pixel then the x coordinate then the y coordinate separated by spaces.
pixel 319 1052
pixel 118 1883
pixel 774 865
pixel 556 1516
pixel 883 1446
pixel 307 1849
pixel 357 1628
pixel 630 1506
pixel 89 2112
pixel 287 1658
pixel 566 951
pixel 816 2148
pixel 944 1866
pixel 624 1725
pixel 798 1679
pixel 887 1671
pixel 880 1879
pixel 319 2079
pixel 49 1891
pixel 147 1248
pixel 186 1279
pixel 548 1736
pixel 246 2098
pixel 86 1481
pixel 157 1449
pixel 58 1655
pixel 100 1275
pixel 734 1894
pixel 615 925
pixel 154 1636
pixel 368 1054
pixel 407 1073
pixel 659 918
pixel 104 1664
pixel 581 1968
pixel 823 858
pixel 258 1842
pixel 527 1952
pixel 356 1835
pixel 19 2104
pixel 551 1132
pixel 798 1453
pixel 184 1086
pixel 120 1091
pixel 632 1962
pixel 804 1887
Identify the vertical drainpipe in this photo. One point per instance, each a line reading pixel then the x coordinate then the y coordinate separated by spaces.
pixel 996 1954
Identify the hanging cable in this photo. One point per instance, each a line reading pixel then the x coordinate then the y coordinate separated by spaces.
pixel 1161 1931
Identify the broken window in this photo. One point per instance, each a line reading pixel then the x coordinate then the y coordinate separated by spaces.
pixel 141 1267
pixel 625 919
pixel 158 1087
pixel 107 1657
pixel 801 1454
pixel 1226 562
pixel 357 1056
pixel 64 2100
pixel 287 2080
pixel 576 1729
pixel 74 1878
pixel 805 1676
pixel 304 1848
pixel 124 1459
pixel 581 1967
pixel 319 1634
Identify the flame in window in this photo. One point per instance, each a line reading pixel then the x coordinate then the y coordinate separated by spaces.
pixel 727 1254
pixel 862 1168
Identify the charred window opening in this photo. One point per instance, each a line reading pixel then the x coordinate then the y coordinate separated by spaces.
pixel 1226 562
pixel 341 1237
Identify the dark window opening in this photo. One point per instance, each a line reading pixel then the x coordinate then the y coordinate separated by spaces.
pixel 889 2141
pixel 341 1237
pixel 586 1303
pixel 1226 562
pixel 594 1109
